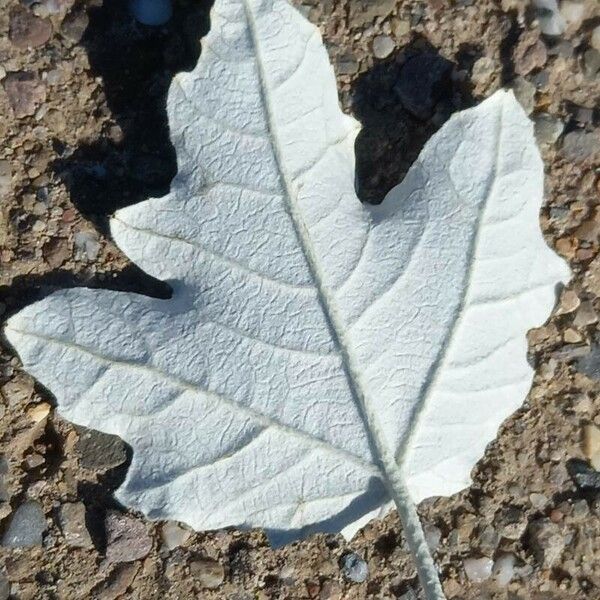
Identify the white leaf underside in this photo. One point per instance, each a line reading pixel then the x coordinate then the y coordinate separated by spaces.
pixel 314 347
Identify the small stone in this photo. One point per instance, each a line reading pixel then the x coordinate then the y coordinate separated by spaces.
pixel 4 587
pixel 583 475
pixel 433 536
pixel 529 54
pixel 586 315
pixel 547 541
pixel 572 12
pixel 580 510
pixel 504 569
pixel 400 28
pixel 424 80
pixel 99 451
pixel 25 93
pixel 5 177
pixel 87 245
pixel 478 569
pixel 151 12
pixel 595 38
pixel 115 586
pixel 483 71
pixel 569 302
pixel 26 527
pixel 347 65
pixel 551 21
pixel 591 62
pixel 74 25
pixel 56 252
pixel 591 444
pixel 579 145
pixel 72 524
pixel 174 535
pixel 25 30
pixel 354 568
pixel 383 46
pixel 547 129
pixel 572 336
pixel 126 538
pixel 511 523
pixel 538 501
pixel 208 573
pixel 524 92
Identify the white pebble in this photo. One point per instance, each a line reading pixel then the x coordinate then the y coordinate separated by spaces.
pixel 383 46
pixel 478 569
pixel 151 12
pixel 550 20
pixel 504 569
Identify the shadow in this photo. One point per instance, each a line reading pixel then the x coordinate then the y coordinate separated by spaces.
pixel 401 102
pixel 135 159
pixel 374 497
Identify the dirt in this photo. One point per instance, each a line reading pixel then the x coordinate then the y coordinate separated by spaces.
pixel 82 93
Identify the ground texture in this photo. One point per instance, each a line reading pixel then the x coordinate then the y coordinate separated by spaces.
pixel 82 94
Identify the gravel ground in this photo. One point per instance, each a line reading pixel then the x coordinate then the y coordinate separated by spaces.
pixel 82 93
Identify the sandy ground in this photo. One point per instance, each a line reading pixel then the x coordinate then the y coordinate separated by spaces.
pixel 82 92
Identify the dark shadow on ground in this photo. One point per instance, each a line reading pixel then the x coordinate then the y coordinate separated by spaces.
pixel 401 102
pixel 135 159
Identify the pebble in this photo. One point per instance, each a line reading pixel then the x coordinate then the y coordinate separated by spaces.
pixel 530 55
pixel 586 315
pixel 580 510
pixel 86 242
pixel 524 92
pixel 595 38
pixel 591 444
pixel 354 568
pixel 551 21
pixel 25 30
pixel 126 538
pixel 383 46
pixel 347 65
pixel 504 569
pixel 583 475
pixel 424 80
pixel 115 586
pixel 73 526
pixel 26 527
pixel 208 573
pixel 25 92
pixel 538 501
pixel 591 63
pixel 56 252
pixel 547 129
pixel 5 177
pixel 99 451
pixel 579 145
pixel 478 569
pixel 511 523
pixel 547 541
pixel 483 70
pixel 4 587
pixel 572 12
pixel 151 12
pixel 569 302
pixel 74 25
pixel 433 536
pixel 174 535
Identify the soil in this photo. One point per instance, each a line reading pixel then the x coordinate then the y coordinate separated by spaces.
pixel 82 95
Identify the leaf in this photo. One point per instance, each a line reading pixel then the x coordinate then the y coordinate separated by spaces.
pixel 318 356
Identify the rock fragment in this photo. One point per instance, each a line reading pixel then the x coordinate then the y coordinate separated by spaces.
pixel 383 46
pixel 25 92
pixel 74 25
pixel 99 451
pixel 478 569
pixel 548 15
pixel 25 30
pixel 547 541
pixel 591 444
pixel 126 538
pixel 174 535
pixel 580 146
pixel 208 573
pixel 524 92
pixel 354 568
pixel 26 527
pixel 73 526
pixel 504 569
